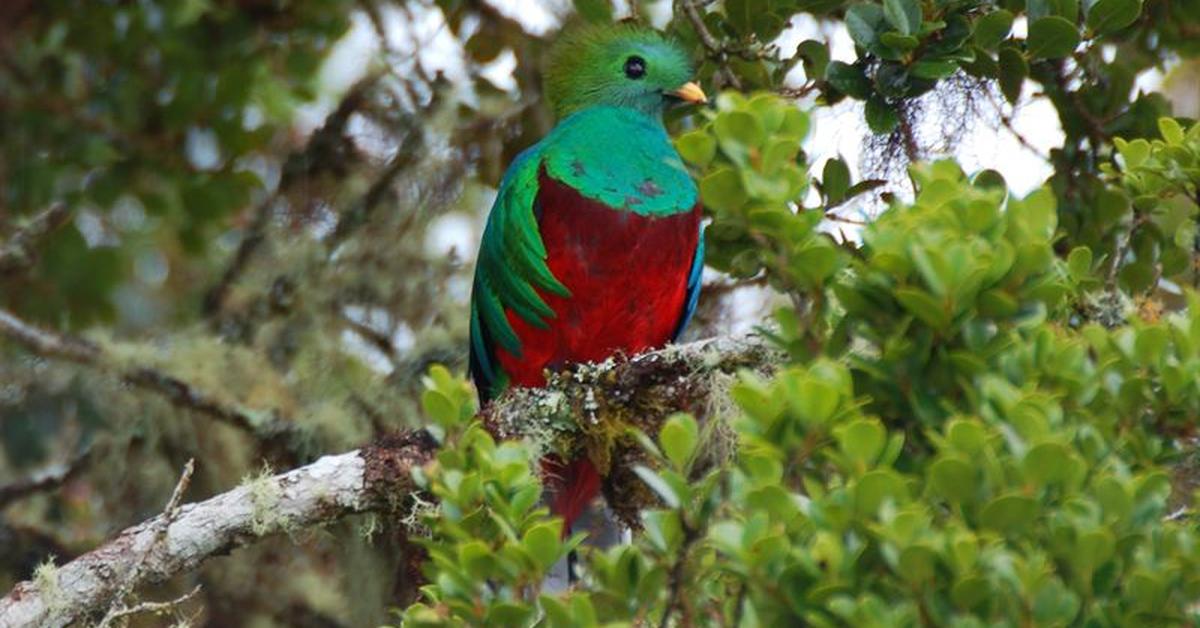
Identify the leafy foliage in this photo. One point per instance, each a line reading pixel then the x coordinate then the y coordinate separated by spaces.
pixel 958 454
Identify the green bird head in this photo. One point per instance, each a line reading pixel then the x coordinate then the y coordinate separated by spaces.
pixel 618 65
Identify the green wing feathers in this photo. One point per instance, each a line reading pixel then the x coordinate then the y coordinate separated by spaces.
pixel 510 270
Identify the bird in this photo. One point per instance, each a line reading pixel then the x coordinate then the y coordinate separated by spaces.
pixel 594 243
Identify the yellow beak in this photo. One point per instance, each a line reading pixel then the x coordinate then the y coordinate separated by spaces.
pixel 690 92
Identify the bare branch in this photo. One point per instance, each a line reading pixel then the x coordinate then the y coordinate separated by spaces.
pixel 268 428
pixel 185 479
pixel 158 608
pixel 716 51
pixel 20 252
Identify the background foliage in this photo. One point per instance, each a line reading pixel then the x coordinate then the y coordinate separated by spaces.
pixel 987 410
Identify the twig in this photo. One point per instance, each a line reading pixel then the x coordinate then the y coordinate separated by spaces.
pixel 912 149
pixel 269 429
pixel 714 47
pixel 19 253
pixel 830 216
pixel 1122 250
pixel 690 534
pixel 119 608
pixel 1006 121
pixel 157 608
pixel 185 479
pixel 798 92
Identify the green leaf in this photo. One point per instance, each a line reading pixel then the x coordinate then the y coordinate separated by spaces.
pixel 439 407
pixel 1013 71
pixel 881 117
pixel 1049 463
pixel 815 57
pixel 814 401
pixel 679 437
pixel 1079 262
pixel 835 181
pixel 1107 16
pixel 509 614
pixel 1133 153
pixel 916 564
pixel 898 42
pixel 848 79
pixel 953 479
pixel 879 486
pixel 1052 37
pixel 862 441
pixel 697 147
pixel 740 127
pixel 992 28
pixel 722 190
pixel 1009 513
pixel 865 22
pixel 658 485
pixel 476 559
pixel 1171 132
pixel 922 305
pixel 967 435
pixel 904 15
pixel 544 542
pixel 1151 345
pixel 663 529
pixel 933 69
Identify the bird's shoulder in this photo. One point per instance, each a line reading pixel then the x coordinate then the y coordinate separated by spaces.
pixel 618 156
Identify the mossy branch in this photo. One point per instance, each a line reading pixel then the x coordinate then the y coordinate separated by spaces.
pixel 272 431
pixel 181 538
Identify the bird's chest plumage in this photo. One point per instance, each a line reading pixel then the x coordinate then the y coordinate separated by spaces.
pixel 627 274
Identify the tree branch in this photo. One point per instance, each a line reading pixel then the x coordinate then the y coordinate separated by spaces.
pixel 649 386
pixel 19 252
pixel 716 51
pixel 268 428
pixel 330 488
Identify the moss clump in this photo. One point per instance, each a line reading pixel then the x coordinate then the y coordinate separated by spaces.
pixel 45 578
pixel 594 410
pixel 265 495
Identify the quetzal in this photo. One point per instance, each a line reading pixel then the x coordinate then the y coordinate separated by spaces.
pixel 594 243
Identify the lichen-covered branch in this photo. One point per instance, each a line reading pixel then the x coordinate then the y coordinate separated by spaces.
pixel 268 428
pixel 589 407
pixel 593 409
pixel 328 489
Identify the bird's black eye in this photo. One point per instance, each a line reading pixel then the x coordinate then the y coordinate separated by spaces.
pixel 635 67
